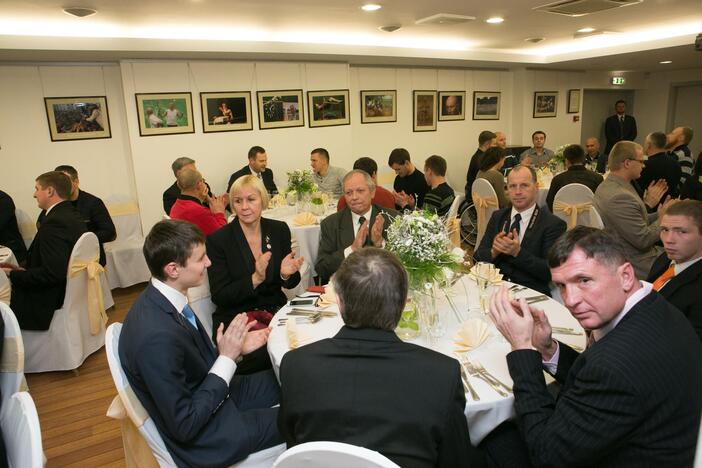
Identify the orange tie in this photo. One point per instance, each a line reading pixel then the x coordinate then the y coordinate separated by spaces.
pixel 667 274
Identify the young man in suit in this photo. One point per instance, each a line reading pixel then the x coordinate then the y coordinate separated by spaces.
pixel 360 224
pixel 258 166
pixel 620 126
pixel 633 397
pixel 367 387
pixel 677 273
pixel 576 173
pixel 205 414
pixel 38 288
pixel 517 238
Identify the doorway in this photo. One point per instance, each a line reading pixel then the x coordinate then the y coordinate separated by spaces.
pixel 598 104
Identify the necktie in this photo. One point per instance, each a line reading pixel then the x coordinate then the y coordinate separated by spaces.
pixel 621 127
pixel 361 220
pixel 259 175
pixel 515 223
pixel 661 280
pixel 190 315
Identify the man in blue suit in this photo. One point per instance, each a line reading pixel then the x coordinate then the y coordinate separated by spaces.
pixel 205 414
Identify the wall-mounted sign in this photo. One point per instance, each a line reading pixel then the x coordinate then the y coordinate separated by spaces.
pixel 618 80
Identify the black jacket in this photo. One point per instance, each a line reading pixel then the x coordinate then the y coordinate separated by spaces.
pixel 9 231
pixel 574 175
pixel 266 175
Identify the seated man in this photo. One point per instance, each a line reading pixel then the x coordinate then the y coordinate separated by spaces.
pixel 576 173
pixel 358 225
pixel 328 178
pixel 538 155
pixel 38 288
pixel 678 142
pixel 593 155
pixel 441 196
pixel 10 235
pixel 659 164
pixel 517 238
pixel 383 197
pixel 367 387
pixel 258 166
pixel 189 205
pixel 632 398
pixel 409 185
pixel 171 194
pixel 205 416
pixel 486 139
pixel 677 273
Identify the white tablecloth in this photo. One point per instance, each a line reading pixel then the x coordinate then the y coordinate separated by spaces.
pixel 485 415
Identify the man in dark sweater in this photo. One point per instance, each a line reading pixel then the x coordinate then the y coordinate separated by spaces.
pixel 410 185
pixel 659 165
pixel 486 139
pixel 577 173
pixel 440 198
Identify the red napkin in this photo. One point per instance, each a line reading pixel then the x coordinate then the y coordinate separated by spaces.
pixel 316 289
pixel 261 317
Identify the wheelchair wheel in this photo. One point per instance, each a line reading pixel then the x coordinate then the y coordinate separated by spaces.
pixel 469 225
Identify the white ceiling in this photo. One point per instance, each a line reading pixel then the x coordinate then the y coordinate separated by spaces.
pixel 640 35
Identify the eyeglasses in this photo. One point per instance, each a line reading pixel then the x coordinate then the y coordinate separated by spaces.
pixel 642 161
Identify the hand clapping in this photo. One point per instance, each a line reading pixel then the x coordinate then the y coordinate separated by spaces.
pixel 291 265
pixel 506 243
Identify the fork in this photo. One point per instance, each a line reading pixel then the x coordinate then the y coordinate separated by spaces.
pixel 478 370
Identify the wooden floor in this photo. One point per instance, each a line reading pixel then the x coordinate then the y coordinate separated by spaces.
pixel 74 428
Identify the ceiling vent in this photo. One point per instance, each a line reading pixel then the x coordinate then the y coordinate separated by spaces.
pixel 390 28
pixel 445 19
pixel 79 11
pixel 584 7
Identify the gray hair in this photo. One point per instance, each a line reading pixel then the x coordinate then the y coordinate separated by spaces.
pixel 366 177
pixel 179 163
pixel 188 179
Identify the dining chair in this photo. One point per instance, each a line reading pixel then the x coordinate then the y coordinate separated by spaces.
pixel 573 204
pixel 336 454
pixel 21 432
pixel 12 365
pixel 486 203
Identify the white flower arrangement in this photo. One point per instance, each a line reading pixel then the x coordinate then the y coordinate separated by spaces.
pixel 301 181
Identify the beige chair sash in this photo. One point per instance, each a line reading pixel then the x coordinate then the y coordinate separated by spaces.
pixel 123 209
pixel 453 227
pixel 481 207
pixel 12 355
pixel 571 211
pixel 137 452
pixel 96 305
pixel 5 292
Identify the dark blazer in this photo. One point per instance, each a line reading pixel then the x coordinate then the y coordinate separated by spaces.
pixel 266 175
pixel 232 267
pixel 601 162
pixel 9 231
pixel 337 234
pixel 574 175
pixel 39 290
pixel 367 387
pixel 529 268
pixel 692 188
pixel 661 166
pixel 472 173
pixel 171 195
pixel 613 131
pixel 632 399
pixel 167 364
pixel 683 291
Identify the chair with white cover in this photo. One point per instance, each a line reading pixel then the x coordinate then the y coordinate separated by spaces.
pixel 21 432
pixel 5 288
pixel 12 364
pixel 200 300
pixel 453 211
pixel 336 454
pixel 125 265
pixel 27 226
pixel 486 203
pixel 573 204
pixel 77 329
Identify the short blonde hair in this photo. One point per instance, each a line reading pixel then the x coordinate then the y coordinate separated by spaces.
pixel 250 181
pixel 622 151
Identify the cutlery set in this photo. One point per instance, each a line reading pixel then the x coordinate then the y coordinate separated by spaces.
pixel 475 369
pixel 305 316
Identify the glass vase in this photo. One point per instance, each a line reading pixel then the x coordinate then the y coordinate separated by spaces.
pixel 408 326
pixel 425 300
pixel 303 202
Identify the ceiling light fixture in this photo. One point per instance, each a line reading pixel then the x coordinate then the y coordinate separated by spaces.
pixel 495 20
pixel 586 30
pixel 534 40
pixel 665 62
pixel 371 7
pixel 390 28
pixel 79 12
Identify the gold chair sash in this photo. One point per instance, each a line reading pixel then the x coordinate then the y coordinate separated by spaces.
pixel 123 209
pixel 453 227
pixel 12 355
pixel 481 207
pixel 137 452
pixel 5 292
pixel 571 211
pixel 96 305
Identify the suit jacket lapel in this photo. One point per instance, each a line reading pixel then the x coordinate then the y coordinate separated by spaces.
pixel 346 227
pixel 688 275
pixel 239 239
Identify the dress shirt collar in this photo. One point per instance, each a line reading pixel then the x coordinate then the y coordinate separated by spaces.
pixel 526 218
pixel 52 207
pixel 680 267
pixel 176 298
pixel 254 172
pixel 634 299
pixel 355 217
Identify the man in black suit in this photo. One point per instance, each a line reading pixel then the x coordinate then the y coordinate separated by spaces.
pixel 367 387
pixel 171 194
pixel 9 231
pixel 633 397
pixel 205 414
pixel 576 173
pixel 660 164
pixel 517 238
pixel 677 273
pixel 593 155
pixel 38 288
pixel 258 166
pixel 486 139
pixel 619 126
pixel 360 224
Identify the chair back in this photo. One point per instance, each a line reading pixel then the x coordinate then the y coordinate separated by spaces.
pixel 21 432
pixel 200 300
pixel 453 211
pixel 336 454
pixel 5 289
pixel 573 204
pixel 125 215
pixel 125 261
pixel 12 364
pixel 486 203
pixel 27 226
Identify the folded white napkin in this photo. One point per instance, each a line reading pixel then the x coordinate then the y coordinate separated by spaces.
pixel 296 337
pixel 487 272
pixel 329 296
pixel 473 333
pixel 277 200
pixel 304 219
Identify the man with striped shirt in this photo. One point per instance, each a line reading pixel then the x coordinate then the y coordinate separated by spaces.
pixel 441 195
pixel 678 141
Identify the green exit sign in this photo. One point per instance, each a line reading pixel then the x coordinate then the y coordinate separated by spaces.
pixel 618 80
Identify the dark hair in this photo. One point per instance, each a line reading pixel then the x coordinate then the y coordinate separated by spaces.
pixel 538 132
pixel 658 139
pixel 574 154
pixel 254 151
pixel 179 163
pixel 366 164
pixel 690 208
pixel 169 241
pixel 70 170
pixel 485 136
pixel 322 152
pixel 372 288
pixel 621 101
pixel 398 156
pixel 601 245
pixel 491 157
pixel 57 180
pixel 437 164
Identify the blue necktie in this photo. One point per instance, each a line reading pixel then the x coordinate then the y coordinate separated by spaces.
pixel 190 315
pixel 515 225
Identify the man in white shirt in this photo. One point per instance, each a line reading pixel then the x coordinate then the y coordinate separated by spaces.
pixel 172 115
pixel 328 178
pixel 205 414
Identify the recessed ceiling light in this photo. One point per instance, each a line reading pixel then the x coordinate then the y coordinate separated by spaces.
pixel 495 20
pixel 80 12
pixel 586 30
pixel 371 7
pixel 666 62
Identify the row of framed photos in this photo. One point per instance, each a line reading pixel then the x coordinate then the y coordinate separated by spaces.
pixel 79 118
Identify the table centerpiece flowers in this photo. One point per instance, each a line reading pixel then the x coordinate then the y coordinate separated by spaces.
pixel 300 188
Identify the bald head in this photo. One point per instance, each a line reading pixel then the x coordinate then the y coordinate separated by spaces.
pixel 501 140
pixel 592 146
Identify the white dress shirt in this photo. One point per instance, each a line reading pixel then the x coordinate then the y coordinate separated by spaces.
pixel 356 226
pixel 524 223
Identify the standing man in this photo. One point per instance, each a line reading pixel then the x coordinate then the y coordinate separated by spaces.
pixel 486 140
pixel 678 141
pixel 189 205
pixel 171 194
pixel 659 164
pixel 409 185
pixel 592 148
pixel 537 155
pixel 441 196
pixel 258 166
pixel 620 126
pixel 576 173
pixel 328 178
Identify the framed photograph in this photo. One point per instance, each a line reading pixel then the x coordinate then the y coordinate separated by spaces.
pixel 378 106
pixel 452 105
pixel 425 111
pixel 165 113
pixel 280 109
pixel 573 101
pixel 545 104
pixel 226 111
pixel 77 118
pixel 486 105
pixel 328 108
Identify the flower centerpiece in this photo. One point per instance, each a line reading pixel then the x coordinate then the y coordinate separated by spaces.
pixel 300 186
pixel 557 162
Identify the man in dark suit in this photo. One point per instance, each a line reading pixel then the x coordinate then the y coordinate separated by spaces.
pixel 258 166
pixel 486 139
pixel 9 231
pixel 592 148
pixel 633 397
pixel 205 414
pixel 619 126
pixel 677 273
pixel 367 387
pixel 38 288
pixel 517 238
pixel 360 224
pixel 660 164
pixel 171 194
pixel 576 173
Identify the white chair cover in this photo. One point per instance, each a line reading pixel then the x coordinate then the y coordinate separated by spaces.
pixel 5 289
pixel 12 364
pixel 27 226
pixel 200 301
pixel 482 190
pixel 331 454
pixel 69 340
pixel 573 204
pixel 453 211
pixel 125 261
pixel 21 432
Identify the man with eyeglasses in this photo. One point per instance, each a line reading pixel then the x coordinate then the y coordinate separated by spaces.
pixel 624 212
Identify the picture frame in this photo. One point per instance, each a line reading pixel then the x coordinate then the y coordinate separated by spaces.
pixel 573 101
pixel 280 109
pixel 424 111
pixel 545 104
pixel 486 105
pixel 77 118
pixel 226 111
pixel 378 106
pixel 452 105
pixel 328 108
pixel 165 113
